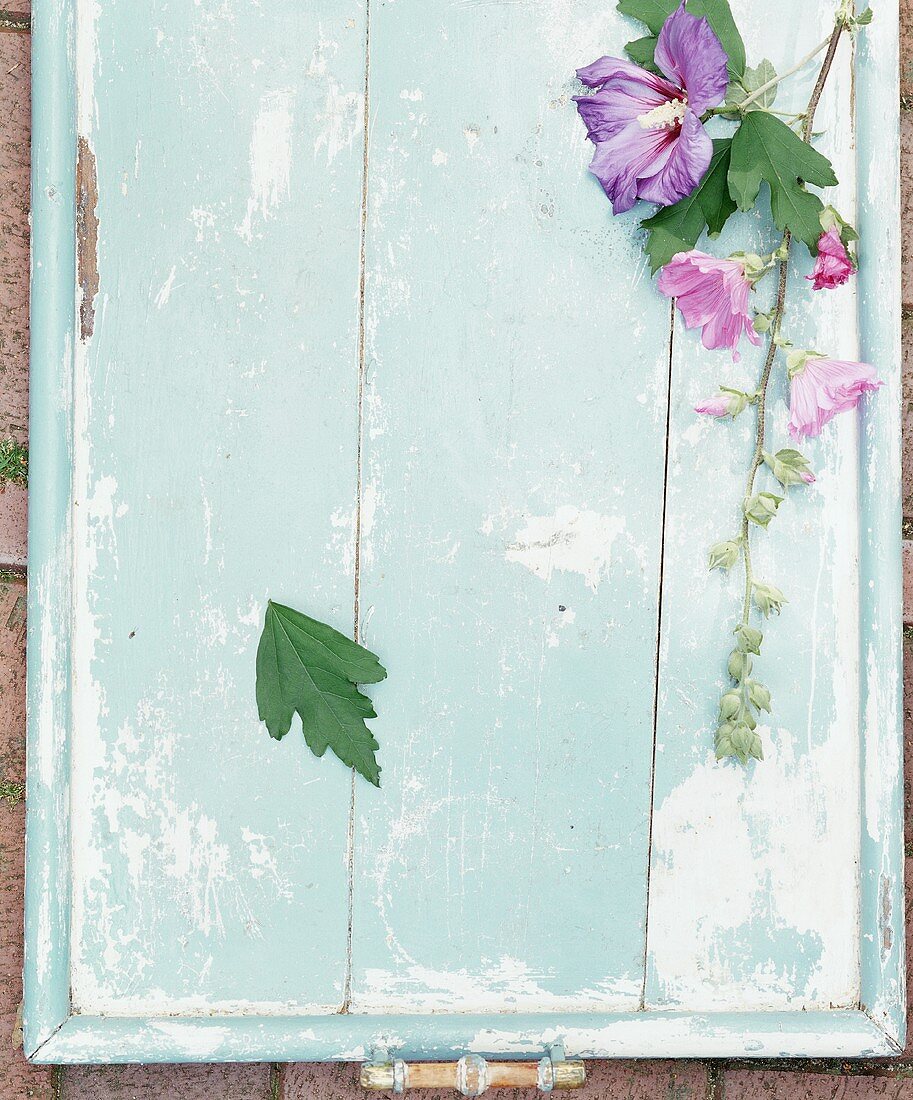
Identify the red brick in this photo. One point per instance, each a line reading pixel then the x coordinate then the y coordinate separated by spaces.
pixel 14 231
pixel 907 417
pixel 605 1081
pixel 13 525
pixel 906 49
pixel 906 205
pixel 767 1084
pixel 226 1082
pixel 17 1078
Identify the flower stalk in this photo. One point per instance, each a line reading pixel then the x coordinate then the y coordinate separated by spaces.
pixel 736 735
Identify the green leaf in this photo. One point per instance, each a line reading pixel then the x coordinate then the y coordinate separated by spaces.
pixel 641 53
pixel 306 666
pixel 754 78
pixel 677 228
pixel 764 149
pixel 717 12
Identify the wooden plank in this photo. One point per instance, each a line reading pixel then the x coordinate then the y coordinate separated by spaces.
pixel 513 462
pixel 215 428
pixel 754 888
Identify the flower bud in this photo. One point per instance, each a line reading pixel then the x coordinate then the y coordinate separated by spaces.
pixel 759 695
pixel 762 508
pixel 724 555
pixel 739 665
pixel 768 599
pixel 730 705
pixel 749 638
pixel 789 467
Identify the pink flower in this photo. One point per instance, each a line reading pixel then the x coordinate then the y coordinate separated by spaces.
pixel 833 266
pixel 714 406
pixel 808 477
pixel 711 294
pixel 821 388
pixel 647 129
pixel 724 403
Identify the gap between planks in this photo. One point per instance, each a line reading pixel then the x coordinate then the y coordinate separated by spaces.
pixel 362 341
pixel 659 638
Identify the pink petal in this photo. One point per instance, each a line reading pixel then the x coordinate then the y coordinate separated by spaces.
pixel 619 161
pixel 685 167
pixel 689 53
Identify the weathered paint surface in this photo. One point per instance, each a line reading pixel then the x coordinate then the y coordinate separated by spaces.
pixel 753 890
pixel 511 565
pixel 418 364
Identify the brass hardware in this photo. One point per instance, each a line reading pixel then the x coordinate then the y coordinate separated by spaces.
pixel 472 1074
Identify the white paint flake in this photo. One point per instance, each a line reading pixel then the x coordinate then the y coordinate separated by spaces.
pixel 161 299
pixel 570 541
pixel 270 159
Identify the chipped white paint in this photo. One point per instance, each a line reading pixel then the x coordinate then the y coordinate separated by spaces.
pixel 270 158
pixel 509 507
pixel 164 292
pixel 569 541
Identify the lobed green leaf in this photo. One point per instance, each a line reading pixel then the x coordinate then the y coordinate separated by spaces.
pixel 307 667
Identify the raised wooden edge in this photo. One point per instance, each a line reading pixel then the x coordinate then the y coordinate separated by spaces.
pixel 881 940
pixel 53 328
pixel 53 1035
pixel 846 1033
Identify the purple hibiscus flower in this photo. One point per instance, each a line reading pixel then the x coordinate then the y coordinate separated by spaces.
pixel 650 141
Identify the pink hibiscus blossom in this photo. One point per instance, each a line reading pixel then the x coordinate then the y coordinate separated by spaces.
pixel 650 141
pixel 712 295
pixel 724 403
pixel 833 266
pixel 821 388
pixel 719 406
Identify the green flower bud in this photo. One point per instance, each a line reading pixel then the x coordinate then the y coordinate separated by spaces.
pixel 724 555
pixel 749 638
pixel 789 467
pixel 724 746
pixel 756 749
pixel 762 508
pixel 739 665
pixel 730 705
pixel 759 695
pixel 768 599
pixel 742 741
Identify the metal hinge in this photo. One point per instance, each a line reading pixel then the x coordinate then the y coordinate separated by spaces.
pixel 472 1074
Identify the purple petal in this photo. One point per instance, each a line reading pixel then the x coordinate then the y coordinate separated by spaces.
pixel 619 162
pixel 627 92
pixel 689 53
pixel 685 167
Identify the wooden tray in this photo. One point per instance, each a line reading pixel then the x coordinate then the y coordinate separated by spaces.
pixel 441 395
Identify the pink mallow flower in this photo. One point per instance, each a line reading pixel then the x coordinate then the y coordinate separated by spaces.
pixel 712 295
pixel 821 388
pixel 650 141
pixel 722 404
pixel 833 266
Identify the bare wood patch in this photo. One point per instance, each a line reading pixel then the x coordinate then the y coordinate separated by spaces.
pixel 86 236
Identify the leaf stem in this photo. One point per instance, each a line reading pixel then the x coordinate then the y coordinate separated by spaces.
pixel 758 92
pixel 758 456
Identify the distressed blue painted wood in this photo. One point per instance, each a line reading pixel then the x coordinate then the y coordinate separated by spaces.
pixel 514 476
pixel 414 369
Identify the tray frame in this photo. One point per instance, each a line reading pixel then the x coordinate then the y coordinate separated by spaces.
pixel 54 1034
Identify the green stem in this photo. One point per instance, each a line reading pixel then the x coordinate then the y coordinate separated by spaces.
pixel 758 92
pixel 758 456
